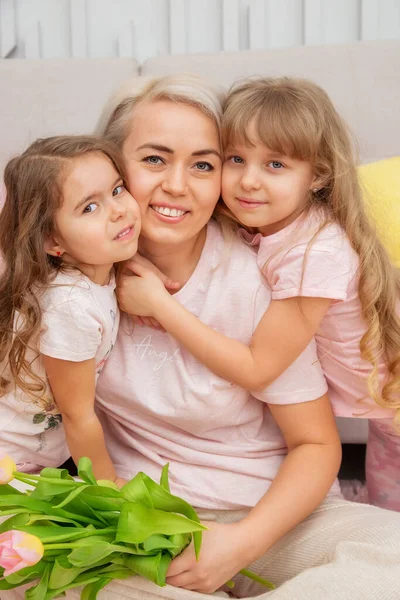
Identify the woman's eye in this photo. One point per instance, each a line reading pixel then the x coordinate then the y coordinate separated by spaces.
pixel 236 160
pixel 153 160
pixel 118 190
pixel 275 164
pixel 204 166
pixel 90 208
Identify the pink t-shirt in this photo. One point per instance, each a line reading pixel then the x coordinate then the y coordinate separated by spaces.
pixel 159 404
pixel 331 270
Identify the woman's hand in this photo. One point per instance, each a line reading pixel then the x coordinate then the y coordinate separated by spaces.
pixel 141 292
pixel 222 556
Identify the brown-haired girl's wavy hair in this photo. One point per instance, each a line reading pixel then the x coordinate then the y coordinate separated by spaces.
pixel 295 117
pixel 34 185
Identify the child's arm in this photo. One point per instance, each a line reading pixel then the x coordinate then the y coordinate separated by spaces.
pixel 73 386
pixel 302 482
pixel 282 334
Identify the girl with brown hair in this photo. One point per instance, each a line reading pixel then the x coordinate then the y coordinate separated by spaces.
pixel 66 220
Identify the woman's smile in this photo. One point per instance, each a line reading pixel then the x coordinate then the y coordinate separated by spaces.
pixel 169 214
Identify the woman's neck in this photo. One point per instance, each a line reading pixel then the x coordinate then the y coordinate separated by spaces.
pixel 177 261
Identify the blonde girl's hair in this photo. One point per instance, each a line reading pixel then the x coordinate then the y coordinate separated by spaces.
pixel 296 118
pixel 34 189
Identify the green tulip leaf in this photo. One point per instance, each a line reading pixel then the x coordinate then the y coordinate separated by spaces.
pixel 81 580
pixel 163 500
pixel 164 481
pixel 90 554
pixel 52 535
pixel 179 542
pixel 157 543
pixel 18 520
pixel 102 498
pixel 4 585
pixel 38 592
pixel 111 517
pixel 27 574
pixel 47 489
pixel 52 473
pixel 85 471
pixel 136 491
pixel 90 577
pixel 136 523
pixel 6 489
pixel 91 590
pixel 153 568
pixel 15 511
pixel 62 573
pixel 71 496
pixel 51 519
pixel 40 506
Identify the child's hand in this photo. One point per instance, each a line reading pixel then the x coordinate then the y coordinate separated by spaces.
pixel 131 265
pixel 140 294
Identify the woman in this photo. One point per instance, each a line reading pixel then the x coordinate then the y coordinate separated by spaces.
pixel 259 465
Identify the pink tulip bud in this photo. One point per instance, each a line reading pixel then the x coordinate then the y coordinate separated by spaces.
pixel 7 469
pixel 19 550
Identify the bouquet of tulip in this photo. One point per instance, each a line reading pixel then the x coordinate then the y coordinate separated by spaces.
pixel 64 533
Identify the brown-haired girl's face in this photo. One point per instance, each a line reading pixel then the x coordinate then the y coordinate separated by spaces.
pixel 98 222
pixel 173 163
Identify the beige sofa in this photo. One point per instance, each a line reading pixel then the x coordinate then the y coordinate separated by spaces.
pixel 39 98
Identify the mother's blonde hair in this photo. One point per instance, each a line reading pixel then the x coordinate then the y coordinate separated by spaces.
pixel 295 117
pixel 187 89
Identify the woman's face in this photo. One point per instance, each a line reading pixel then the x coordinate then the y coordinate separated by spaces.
pixel 173 163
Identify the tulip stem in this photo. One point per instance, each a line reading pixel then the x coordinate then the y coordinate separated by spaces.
pixel 255 577
pixel 71 545
pixel 28 478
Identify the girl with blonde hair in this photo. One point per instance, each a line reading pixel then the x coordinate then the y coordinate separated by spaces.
pixel 290 179
pixel 66 220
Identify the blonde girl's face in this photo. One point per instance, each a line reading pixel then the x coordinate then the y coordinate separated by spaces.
pixel 98 222
pixel 173 163
pixel 262 188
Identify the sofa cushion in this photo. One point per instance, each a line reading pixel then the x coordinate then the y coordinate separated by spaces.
pixel 49 97
pixel 381 186
pixel 362 79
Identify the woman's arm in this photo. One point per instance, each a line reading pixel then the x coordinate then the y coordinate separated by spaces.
pixel 282 334
pixel 302 482
pixel 73 386
pixel 305 476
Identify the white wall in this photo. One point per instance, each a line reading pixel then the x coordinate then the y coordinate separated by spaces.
pixel 146 28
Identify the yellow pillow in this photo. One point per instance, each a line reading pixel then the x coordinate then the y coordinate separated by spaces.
pixel 380 183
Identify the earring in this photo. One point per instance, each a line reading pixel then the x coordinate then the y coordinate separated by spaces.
pixel 58 253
